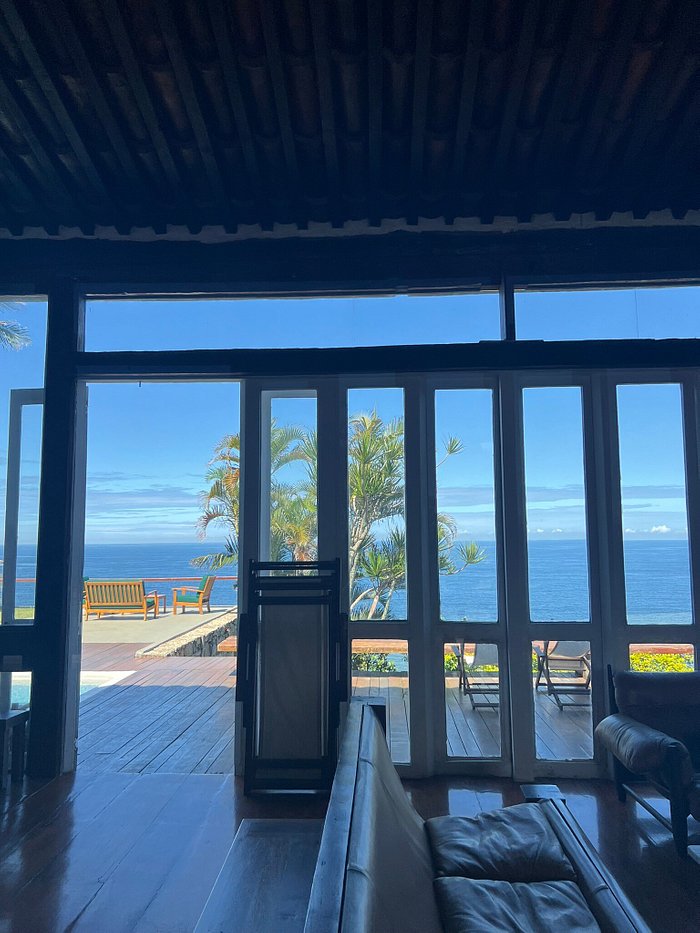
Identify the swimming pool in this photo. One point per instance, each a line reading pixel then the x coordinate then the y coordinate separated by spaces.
pixel 89 680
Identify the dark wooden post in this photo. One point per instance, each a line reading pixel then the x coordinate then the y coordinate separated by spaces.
pixel 55 527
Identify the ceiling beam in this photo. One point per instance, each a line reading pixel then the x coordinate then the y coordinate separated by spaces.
pixel 181 68
pixel 514 96
pixel 229 65
pixel 609 86
pixel 55 101
pixel 279 84
pixel 319 29
pixel 375 91
pixel 421 77
pixel 470 73
pixel 134 73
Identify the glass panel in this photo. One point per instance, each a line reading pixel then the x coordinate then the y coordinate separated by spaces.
pixel 561 672
pixel 664 658
pixel 380 669
pixel 377 522
pixel 472 700
pixel 289 502
pixel 556 505
pixel 654 511
pixel 608 314
pixel 466 504
pixel 185 324
pixel 162 503
pixel 22 350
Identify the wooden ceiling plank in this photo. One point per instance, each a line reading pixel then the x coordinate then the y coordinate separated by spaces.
pixel 55 101
pixel 137 83
pixel 683 30
pixel 276 66
pixel 229 65
pixel 521 67
pixel 548 147
pixel 375 81
pixel 421 77
pixel 50 182
pixel 106 116
pixel 319 30
pixel 11 174
pixel 470 73
pixel 609 85
pixel 185 83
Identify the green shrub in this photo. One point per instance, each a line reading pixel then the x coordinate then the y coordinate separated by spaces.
pixel 676 663
pixel 374 662
pixel 450 663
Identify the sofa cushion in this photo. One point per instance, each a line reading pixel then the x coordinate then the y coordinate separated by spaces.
pixel 641 748
pixel 514 844
pixel 468 906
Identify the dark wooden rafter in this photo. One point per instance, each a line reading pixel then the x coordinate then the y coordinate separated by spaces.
pixel 421 77
pixel 549 148
pixel 50 181
pixel 222 36
pixel 279 85
pixel 612 75
pixel 181 68
pixel 122 41
pixel 319 28
pixel 375 79
pixel 98 99
pixel 19 186
pixel 54 99
pixel 683 31
pixel 470 71
pixel 518 77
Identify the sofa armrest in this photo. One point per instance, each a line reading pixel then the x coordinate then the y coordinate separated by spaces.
pixel 641 748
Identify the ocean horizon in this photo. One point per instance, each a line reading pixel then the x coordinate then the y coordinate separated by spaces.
pixel 657 576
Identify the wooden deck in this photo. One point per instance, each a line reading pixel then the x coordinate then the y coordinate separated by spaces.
pixel 171 715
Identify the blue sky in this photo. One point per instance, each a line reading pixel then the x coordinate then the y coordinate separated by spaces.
pixel 149 446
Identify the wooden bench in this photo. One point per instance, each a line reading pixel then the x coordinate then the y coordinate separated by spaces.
pixel 110 597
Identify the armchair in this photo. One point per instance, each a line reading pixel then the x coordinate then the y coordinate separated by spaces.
pixel 198 596
pixel 654 736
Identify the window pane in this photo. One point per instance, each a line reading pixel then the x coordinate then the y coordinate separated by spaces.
pixel 556 506
pixel 377 523
pixel 654 513
pixel 466 505
pixel 22 350
pixel 380 669
pixel 562 693
pixel 673 659
pixel 185 324
pixel 472 700
pixel 608 314
pixel 289 501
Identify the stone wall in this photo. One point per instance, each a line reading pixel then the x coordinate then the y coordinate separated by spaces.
pixel 200 642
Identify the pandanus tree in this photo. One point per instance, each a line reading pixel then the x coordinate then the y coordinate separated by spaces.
pixel 13 336
pixel 377 540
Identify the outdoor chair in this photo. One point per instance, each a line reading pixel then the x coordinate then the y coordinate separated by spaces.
pixel 654 737
pixel 564 657
pixel 198 596
pixel 119 597
pixel 474 683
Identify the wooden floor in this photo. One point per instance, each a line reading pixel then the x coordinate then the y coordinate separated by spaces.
pixel 172 715
pixel 127 853
pixel 560 734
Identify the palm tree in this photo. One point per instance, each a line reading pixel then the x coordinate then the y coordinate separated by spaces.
pixel 377 539
pixel 13 336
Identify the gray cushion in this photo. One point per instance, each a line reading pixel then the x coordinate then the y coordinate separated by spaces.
pixel 514 844
pixel 468 906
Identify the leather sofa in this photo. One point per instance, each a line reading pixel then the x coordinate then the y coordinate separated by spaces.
pixel 381 868
pixel 654 736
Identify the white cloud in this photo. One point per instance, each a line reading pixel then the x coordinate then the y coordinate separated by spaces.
pixel 660 530
pixel 630 531
pixel 557 531
pixel 540 531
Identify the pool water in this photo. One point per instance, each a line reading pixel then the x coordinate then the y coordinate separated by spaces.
pixel 20 693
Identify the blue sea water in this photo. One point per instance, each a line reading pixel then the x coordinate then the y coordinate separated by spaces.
pixel 657 577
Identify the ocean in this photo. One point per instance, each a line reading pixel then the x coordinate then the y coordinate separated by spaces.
pixel 657 576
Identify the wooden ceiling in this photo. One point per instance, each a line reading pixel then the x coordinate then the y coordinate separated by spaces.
pixel 248 114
